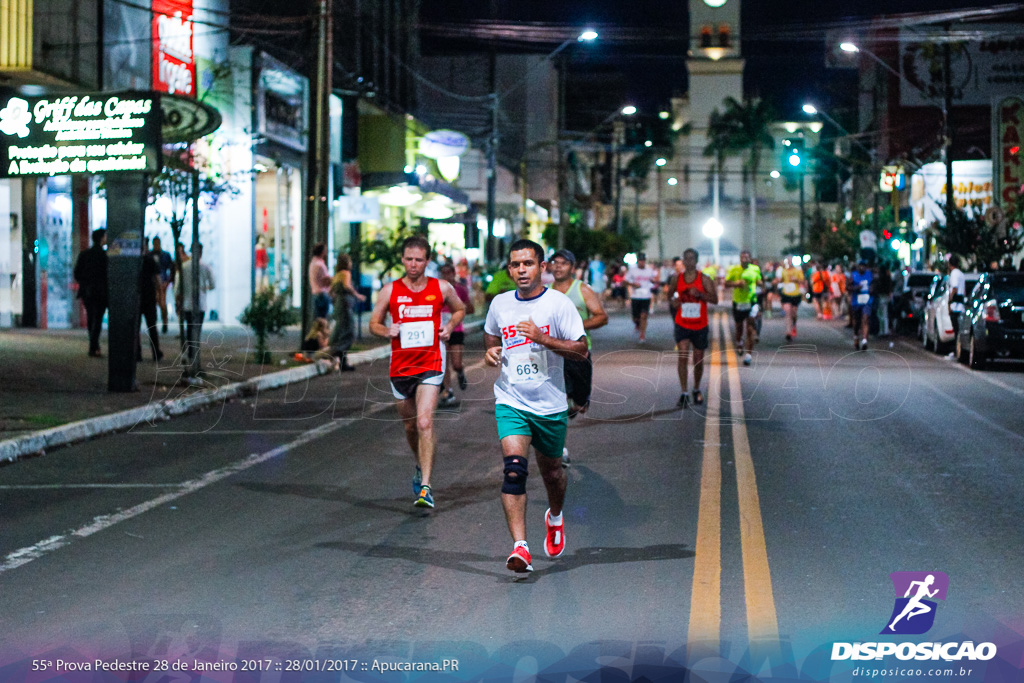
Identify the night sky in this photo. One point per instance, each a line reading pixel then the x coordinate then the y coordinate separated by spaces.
pixel 646 42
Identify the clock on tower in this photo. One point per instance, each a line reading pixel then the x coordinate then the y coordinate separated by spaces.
pixel 714 29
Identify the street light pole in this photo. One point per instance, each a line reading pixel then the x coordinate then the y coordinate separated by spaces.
pixel 492 156
pixel 618 135
pixel 802 249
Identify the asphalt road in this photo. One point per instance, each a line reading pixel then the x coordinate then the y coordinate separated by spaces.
pixel 745 535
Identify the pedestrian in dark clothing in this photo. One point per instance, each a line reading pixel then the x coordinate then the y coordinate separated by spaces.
pixel 150 284
pixel 343 294
pixel 166 263
pixel 91 275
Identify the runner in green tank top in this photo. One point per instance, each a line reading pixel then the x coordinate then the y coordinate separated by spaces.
pixel 578 374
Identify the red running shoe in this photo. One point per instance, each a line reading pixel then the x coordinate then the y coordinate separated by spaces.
pixel 554 541
pixel 519 560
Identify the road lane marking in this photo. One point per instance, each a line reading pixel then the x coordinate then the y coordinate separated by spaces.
pixel 762 620
pixel 23 556
pixel 45 487
pixel 706 596
pixel 942 360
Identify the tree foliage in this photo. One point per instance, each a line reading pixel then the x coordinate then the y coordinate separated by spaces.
pixel 385 249
pixel 587 244
pixel 268 313
pixel 970 236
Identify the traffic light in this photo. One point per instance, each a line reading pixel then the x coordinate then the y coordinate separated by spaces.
pixel 793 155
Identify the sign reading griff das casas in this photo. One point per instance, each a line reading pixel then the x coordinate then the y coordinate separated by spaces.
pixel 83 133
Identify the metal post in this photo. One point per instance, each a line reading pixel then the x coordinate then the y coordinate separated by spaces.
pixel 661 218
pixel 947 128
pixel 618 138
pixel 492 177
pixel 319 152
pixel 192 337
pixel 802 248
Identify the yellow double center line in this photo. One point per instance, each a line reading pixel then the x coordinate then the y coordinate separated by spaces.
pixel 706 600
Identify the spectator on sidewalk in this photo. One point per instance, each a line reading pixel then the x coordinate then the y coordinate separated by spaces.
pixel 262 263
pixel 91 275
pixel 193 320
pixel 884 288
pixel 166 266
pixel 343 294
pixel 150 284
pixel 320 282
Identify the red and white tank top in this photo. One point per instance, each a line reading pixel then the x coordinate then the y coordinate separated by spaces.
pixel 693 312
pixel 417 348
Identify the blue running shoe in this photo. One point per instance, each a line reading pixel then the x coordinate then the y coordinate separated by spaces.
pixel 417 481
pixel 424 500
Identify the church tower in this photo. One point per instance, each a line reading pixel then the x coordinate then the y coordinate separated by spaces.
pixel 715 70
pixel 714 64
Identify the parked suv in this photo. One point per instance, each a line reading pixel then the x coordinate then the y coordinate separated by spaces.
pixel 937 329
pixel 992 324
pixel 911 294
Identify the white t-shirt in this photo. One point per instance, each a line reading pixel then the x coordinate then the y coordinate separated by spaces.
pixel 868 240
pixel 531 375
pixel 956 279
pixel 642 280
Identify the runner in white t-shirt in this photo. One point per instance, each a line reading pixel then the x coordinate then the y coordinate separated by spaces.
pixel 642 279
pixel 527 333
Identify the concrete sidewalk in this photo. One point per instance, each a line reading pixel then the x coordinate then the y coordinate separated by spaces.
pixel 55 394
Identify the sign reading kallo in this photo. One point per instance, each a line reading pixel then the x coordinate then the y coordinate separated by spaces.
pixel 1008 175
pixel 89 133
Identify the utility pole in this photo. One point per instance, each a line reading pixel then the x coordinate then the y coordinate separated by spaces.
pixel 661 216
pixel 618 138
pixel 802 176
pixel 492 146
pixel 319 148
pixel 492 171
pixel 947 127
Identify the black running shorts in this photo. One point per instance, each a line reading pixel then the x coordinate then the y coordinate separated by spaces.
pixel 699 338
pixel 578 379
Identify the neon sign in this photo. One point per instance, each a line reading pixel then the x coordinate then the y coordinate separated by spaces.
pixel 174 64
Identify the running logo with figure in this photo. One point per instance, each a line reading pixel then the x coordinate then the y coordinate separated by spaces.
pixel 916 593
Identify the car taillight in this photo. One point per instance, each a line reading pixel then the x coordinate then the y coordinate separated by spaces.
pixel 991 311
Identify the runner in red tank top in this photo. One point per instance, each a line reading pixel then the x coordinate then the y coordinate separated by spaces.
pixel 417 351
pixel 694 291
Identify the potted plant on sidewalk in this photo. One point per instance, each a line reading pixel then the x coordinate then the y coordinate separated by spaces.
pixel 267 313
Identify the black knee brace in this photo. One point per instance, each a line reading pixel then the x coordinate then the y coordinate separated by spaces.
pixel 515 475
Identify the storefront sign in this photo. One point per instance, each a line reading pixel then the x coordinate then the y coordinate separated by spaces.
pixel 892 178
pixel 443 143
pixel 972 190
pixel 981 69
pixel 281 103
pixel 90 133
pixel 356 209
pixel 174 64
pixel 1008 175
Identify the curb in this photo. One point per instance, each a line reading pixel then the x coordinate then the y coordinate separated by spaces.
pixel 37 443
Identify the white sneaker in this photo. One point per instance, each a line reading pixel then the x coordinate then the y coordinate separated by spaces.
pixel 565 457
pixel 748 359
pixel 863 344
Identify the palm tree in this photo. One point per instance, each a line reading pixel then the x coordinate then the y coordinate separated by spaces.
pixel 745 126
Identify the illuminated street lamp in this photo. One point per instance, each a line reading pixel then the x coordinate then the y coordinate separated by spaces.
pixel 629 110
pixel 713 230
pixel 944 106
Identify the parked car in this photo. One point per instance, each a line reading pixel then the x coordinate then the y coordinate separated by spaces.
pixel 910 296
pixel 937 333
pixel 992 324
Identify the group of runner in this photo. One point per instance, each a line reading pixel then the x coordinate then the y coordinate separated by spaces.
pixel 535 334
pixel 539 337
